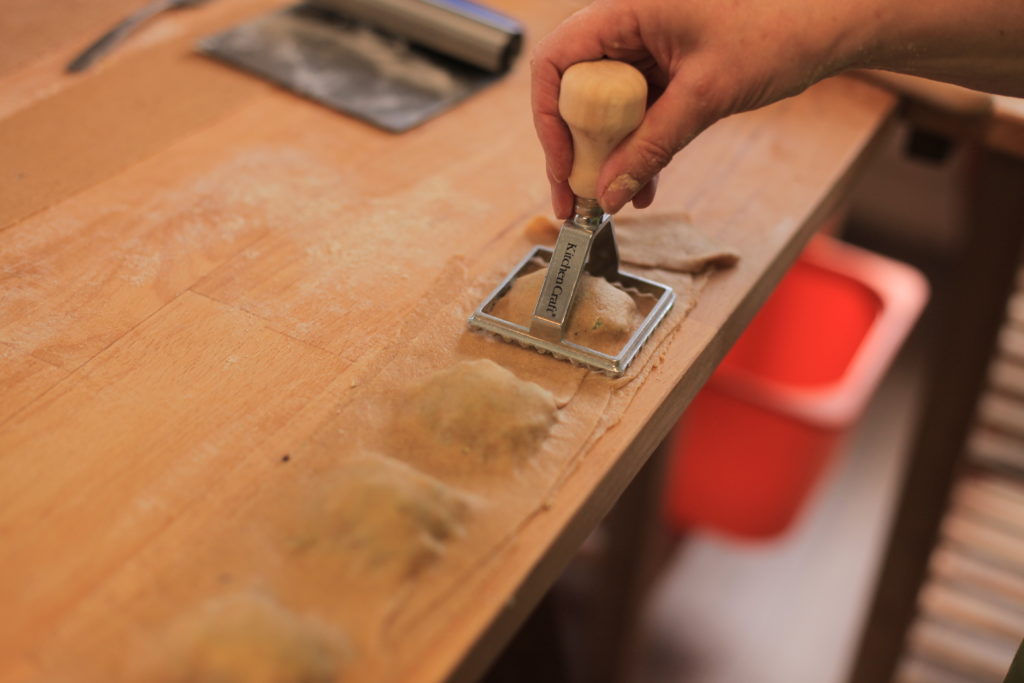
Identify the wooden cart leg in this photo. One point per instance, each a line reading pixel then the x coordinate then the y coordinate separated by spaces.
pixel 537 652
pixel 975 299
pixel 638 543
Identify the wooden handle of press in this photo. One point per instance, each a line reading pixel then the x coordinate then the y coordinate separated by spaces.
pixel 602 102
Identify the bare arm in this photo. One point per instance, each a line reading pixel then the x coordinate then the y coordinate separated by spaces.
pixel 707 59
pixel 975 43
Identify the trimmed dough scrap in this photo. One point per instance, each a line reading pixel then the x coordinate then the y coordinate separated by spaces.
pixel 248 638
pixel 384 519
pixel 652 240
pixel 473 417
pixel 668 241
pixel 603 316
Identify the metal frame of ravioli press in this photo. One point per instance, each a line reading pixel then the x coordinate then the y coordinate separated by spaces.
pixel 581 355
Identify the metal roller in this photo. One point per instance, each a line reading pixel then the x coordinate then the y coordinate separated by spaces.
pixel 394 63
pixel 463 31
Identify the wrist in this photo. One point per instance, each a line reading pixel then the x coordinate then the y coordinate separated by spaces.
pixel 858 35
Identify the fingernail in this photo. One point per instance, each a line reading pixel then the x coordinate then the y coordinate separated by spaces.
pixel 554 176
pixel 619 191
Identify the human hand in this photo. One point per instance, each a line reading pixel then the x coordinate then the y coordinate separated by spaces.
pixel 702 60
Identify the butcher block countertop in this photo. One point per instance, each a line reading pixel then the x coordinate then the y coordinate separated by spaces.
pixel 205 280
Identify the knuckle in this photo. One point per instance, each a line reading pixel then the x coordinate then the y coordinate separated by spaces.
pixel 704 99
pixel 541 53
pixel 702 87
pixel 654 154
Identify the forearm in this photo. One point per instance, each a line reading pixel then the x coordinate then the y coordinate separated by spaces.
pixel 975 43
pixel 708 59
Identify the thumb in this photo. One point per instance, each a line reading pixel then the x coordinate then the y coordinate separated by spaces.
pixel 670 123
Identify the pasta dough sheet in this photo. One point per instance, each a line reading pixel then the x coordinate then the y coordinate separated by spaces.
pixel 474 416
pixel 440 398
pixel 246 638
pixel 670 242
pixel 382 533
pixel 379 520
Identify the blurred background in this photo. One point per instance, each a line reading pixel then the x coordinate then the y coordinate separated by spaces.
pixel 770 561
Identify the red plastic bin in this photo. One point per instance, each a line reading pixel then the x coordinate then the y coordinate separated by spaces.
pixel 751 446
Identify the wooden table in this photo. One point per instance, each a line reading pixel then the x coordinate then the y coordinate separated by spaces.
pixel 190 289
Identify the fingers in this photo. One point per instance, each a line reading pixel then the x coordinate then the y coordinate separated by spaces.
pixel 597 31
pixel 645 196
pixel 551 129
pixel 573 41
pixel 673 120
pixel 561 197
pixel 591 33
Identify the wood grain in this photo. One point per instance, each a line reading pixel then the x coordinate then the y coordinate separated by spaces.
pixel 970 616
pixel 130 415
pixel 918 670
pixel 136 108
pixel 23 379
pixel 996 542
pixel 181 319
pixel 44 74
pixel 959 567
pixel 969 611
pixel 33 29
pixel 977 659
pixel 1008 376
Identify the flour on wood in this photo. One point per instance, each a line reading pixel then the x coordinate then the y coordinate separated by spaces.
pixel 247 638
pixel 382 519
pixel 603 316
pixel 473 417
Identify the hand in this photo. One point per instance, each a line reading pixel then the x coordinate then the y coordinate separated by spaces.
pixel 703 61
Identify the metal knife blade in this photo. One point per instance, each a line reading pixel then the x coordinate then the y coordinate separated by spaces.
pixel 122 29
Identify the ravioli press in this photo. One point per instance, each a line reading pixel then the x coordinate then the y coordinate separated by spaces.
pixel 602 102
